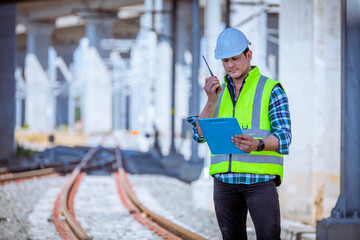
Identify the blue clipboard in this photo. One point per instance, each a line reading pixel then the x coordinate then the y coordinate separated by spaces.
pixel 218 133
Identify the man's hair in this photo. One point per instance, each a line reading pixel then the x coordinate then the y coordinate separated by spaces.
pixel 246 50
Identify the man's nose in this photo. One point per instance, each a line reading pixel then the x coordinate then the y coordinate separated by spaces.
pixel 230 63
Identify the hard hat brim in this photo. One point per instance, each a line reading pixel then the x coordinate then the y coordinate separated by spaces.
pixel 233 53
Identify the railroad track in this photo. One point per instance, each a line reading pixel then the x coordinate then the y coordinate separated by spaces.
pixel 10 177
pixel 160 225
pixel 70 228
pixel 21 173
pixel 24 174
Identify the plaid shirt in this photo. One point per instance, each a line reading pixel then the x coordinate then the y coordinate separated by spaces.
pixel 280 123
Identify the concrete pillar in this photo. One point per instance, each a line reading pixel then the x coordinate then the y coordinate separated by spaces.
pixel 183 64
pixel 65 51
pixel 38 108
pixel 55 88
pixel 194 101
pixel 97 93
pixel 213 27
pixel 174 158
pixel 162 84
pixel 310 73
pixel 191 169
pixel 7 79
pixel 20 97
pixel 119 91
pixel 142 62
pixel 20 81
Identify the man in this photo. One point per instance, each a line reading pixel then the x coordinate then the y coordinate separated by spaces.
pixel 247 182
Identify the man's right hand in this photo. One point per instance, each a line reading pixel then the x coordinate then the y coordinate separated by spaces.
pixel 211 84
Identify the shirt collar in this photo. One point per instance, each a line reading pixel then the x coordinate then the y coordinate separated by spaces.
pixel 229 79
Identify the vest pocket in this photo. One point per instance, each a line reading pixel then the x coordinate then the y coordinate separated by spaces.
pixel 243 113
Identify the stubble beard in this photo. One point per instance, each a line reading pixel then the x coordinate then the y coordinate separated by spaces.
pixel 239 77
pixel 242 74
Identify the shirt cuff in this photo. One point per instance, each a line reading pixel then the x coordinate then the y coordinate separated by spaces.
pixel 283 148
pixel 198 138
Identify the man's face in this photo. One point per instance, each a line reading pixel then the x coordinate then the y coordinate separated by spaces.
pixel 238 66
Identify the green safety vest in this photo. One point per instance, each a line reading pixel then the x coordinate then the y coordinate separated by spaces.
pixel 251 111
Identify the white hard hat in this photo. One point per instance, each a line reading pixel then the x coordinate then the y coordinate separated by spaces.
pixel 231 42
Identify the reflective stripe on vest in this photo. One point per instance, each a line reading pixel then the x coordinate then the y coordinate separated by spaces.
pixel 247 158
pixel 255 120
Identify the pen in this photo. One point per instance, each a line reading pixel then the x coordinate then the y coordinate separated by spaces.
pixel 253 133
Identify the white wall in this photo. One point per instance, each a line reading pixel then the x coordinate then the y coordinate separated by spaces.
pixel 310 72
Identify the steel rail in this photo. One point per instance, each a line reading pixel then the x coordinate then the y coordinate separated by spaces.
pixel 18 168
pixel 9 176
pixel 64 202
pixel 166 224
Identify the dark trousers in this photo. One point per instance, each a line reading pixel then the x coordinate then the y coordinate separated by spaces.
pixel 232 202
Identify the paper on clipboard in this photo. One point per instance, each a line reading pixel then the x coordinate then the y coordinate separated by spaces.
pixel 218 133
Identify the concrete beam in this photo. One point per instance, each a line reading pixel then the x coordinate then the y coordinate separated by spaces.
pixel 126 28
pixel 55 9
pixel 69 34
pixel 23 1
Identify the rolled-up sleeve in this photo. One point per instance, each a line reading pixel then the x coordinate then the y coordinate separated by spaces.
pixel 279 116
pixel 198 138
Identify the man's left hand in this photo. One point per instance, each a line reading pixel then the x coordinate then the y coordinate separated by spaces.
pixel 245 142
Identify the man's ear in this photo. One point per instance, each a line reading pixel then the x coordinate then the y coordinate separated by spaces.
pixel 249 55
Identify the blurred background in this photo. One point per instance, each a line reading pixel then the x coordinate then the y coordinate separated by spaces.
pixel 75 69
